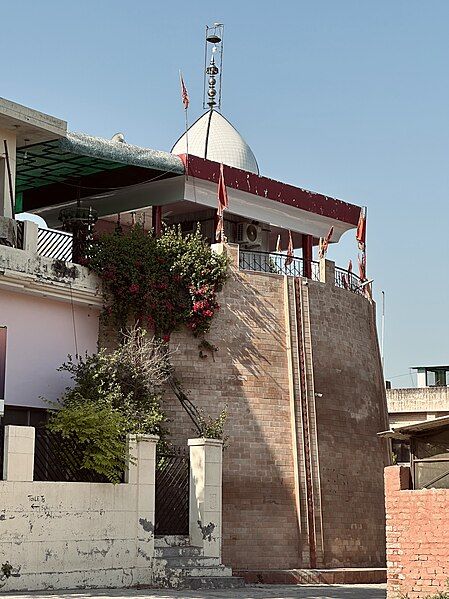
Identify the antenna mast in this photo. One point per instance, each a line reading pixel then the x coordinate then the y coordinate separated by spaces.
pixel 213 67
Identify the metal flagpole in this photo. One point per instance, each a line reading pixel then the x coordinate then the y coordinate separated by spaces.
pixel 383 333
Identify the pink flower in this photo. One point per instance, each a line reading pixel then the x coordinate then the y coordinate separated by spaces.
pixel 134 288
pixel 166 338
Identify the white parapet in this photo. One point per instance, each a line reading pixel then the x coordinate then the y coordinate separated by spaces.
pixel 62 535
pixel 205 504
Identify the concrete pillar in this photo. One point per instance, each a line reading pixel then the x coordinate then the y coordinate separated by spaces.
pixel 141 472
pixel 30 231
pixel 5 194
pixel 327 271
pixel 156 218
pixel 230 249
pixel 307 255
pixel 205 503
pixel 18 460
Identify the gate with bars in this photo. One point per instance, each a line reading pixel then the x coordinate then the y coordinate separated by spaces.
pixel 172 492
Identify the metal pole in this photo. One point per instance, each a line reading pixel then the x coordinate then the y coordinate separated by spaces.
pixel 8 167
pixel 383 333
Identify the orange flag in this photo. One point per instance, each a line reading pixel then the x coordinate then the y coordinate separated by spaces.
pixel 223 203
pixel 290 255
pixel 184 93
pixel 324 243
pixel 361 230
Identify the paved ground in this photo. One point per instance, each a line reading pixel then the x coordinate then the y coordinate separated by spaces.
pixel 250 592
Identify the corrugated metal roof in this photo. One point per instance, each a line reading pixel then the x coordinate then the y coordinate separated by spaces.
pixel 401 432
pixel 128 154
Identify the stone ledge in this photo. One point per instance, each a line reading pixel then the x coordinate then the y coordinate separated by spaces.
pixel 319 576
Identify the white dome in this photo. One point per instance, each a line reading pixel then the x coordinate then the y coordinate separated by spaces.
pixel 224 143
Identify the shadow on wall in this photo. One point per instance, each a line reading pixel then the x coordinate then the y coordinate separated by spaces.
pixel 249 373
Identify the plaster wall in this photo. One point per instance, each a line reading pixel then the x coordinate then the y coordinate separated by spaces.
pixel 74 535
pixel 40 335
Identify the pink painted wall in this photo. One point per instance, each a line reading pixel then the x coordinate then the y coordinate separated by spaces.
pixel 40 336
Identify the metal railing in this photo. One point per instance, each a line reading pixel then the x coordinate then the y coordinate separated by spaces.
pixel 172 492
pixel 348 280
pixel 59 460
pixel 272 262
pixel 55 244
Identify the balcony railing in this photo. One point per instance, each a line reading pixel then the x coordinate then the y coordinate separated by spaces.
pixel 271 262
pixel 348 280
pixel 55 244
pixel 276 263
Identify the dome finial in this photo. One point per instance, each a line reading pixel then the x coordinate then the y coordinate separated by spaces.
pixel 214 36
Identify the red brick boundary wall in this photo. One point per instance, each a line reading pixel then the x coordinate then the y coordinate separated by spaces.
pixel 417 537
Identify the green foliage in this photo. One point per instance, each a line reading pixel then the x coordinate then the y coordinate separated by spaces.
pixel 114 394
pixel 99 433
pixel 160 282
pixel 213 428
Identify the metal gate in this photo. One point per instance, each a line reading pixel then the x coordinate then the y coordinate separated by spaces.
pixel 172 492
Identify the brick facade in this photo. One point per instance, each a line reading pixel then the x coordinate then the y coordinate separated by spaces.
pixel 263 497
pixel 417 537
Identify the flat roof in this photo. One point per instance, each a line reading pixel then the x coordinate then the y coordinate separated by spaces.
pixel 404 432
pixel 30 126
pixel 430 367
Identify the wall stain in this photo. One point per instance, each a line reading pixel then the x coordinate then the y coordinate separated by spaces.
pixel 206 530
pixel 146 525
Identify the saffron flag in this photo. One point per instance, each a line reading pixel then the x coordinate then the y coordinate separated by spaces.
pixel 361 230
pixel 278 245
pixel 184 92
pixel 290 255
pixel 223 203
pixel 324 243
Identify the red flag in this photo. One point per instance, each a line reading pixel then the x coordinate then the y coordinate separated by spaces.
pixel 324 242
pixel 223 203
pixel 361 230
pixel 290 254
pixel 222 193
pixel 184 92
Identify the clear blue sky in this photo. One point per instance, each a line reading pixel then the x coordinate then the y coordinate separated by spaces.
pixel 344 97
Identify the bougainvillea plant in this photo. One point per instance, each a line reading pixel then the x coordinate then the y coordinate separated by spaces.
pixel 161 283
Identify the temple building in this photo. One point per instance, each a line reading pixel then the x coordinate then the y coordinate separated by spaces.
pixel 298 362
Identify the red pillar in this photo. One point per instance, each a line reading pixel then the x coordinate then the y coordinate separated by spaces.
pixel 156 217
pixel 307 255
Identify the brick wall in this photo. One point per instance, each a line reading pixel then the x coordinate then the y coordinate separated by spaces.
pixel 417 537
pixel 350 411
pixel 250 373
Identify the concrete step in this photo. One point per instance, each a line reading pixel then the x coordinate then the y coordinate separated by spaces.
pixel 190 570
pixel 171 540
pixel 224 582
pixel 180 551
pixel 186 561
pixel 318 576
